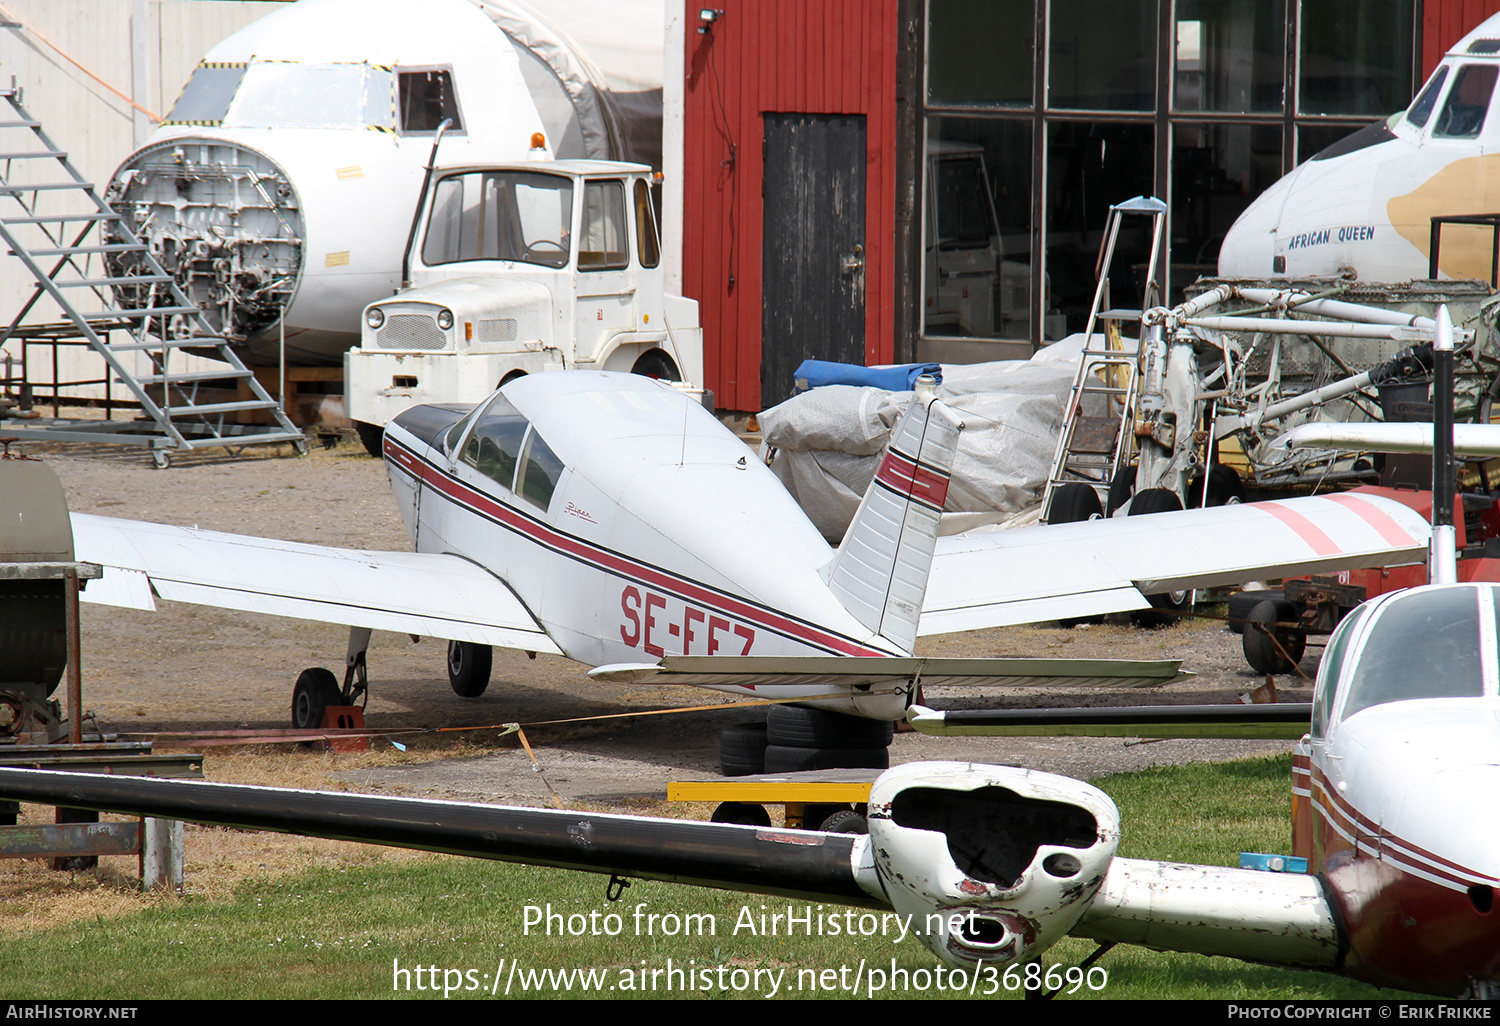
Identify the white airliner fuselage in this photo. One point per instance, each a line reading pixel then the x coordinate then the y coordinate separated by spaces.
pixel 1365 204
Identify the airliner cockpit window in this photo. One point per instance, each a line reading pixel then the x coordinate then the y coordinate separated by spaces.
pixel 1468 101
pixel 206 97
pixel 494 446
pixel 284 94
pixel 1421 109
pixel 1424 644
pixel 427 98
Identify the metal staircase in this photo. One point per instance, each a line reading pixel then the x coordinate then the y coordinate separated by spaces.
pixel 82 254
pixel 1094 447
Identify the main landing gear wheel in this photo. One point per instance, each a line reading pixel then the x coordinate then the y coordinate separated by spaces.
pixel 469 668
pixel 316 690
pixel 1165 608
pixel 1262 636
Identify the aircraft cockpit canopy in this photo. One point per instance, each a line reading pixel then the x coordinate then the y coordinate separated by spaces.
pixel 1465 107
pixel 504 447
pixel 1424 643
pixel 295 94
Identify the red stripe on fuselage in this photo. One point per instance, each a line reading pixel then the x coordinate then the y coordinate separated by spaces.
pixel 614 563
pixel 1357 828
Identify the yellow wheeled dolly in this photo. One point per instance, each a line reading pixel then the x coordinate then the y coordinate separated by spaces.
pixel 832 800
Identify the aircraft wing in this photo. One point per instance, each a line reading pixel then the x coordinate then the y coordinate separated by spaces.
pixel 1273 721
pixel 852 672
pixel 431 594
pixel 995 578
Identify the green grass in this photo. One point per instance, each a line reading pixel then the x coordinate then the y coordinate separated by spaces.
pixel 342 933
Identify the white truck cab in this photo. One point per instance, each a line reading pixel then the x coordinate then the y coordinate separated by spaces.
pixel 518 269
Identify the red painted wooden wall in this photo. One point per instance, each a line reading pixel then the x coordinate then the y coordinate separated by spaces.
pixel 1445 22
pixel 792 56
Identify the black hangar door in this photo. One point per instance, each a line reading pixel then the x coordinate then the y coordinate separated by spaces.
pixel 813 263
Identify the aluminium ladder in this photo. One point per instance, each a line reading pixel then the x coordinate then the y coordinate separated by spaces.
pixel 1094 446
pixel 75 246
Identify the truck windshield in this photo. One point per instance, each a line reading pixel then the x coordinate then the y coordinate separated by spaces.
pixel 500 215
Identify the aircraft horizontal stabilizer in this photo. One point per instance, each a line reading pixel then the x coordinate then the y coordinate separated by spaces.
pixel 1282 721
pixel 431 594
pixel 996 578
pixel 770 671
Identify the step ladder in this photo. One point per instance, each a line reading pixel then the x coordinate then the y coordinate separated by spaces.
pixel 119 299
pixel 1095 444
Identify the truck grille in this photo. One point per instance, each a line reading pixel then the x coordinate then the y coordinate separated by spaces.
pixel 497 329
pixel 410 331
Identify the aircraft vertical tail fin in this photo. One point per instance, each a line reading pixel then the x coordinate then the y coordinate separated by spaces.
pixel 880 571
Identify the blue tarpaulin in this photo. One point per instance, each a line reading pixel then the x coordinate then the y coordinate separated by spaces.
pixel 903 378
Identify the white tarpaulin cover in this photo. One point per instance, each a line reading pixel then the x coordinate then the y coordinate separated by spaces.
pixel 828 440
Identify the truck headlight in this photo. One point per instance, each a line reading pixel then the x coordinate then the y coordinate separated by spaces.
pixel 445 319
pixel 375 317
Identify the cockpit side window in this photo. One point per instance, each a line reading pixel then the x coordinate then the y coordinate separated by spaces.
pixel 1468 101
pixel 540 470
pixel 494 446
pixel 1422 645
pixel 1329 670
pixel 1421 109
pixel 206 97
pixel 426 98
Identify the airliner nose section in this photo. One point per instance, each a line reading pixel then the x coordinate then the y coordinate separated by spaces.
pixel 1249 247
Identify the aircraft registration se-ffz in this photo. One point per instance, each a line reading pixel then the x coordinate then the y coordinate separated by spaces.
pixel 694 565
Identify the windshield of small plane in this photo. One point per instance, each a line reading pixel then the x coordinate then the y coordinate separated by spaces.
pixel 500 215
pixel 503 441
pixel 1422 644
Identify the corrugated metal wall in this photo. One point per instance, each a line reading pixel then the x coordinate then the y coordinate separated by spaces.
pixel 1445 22
pixel 143 49
pixel 791 56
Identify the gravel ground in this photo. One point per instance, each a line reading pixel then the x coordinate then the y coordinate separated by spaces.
pixel 196 668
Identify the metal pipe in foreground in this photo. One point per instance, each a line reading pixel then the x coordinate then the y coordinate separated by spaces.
pixel 792 863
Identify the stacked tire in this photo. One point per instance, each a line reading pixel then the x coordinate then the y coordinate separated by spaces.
pixel 802 738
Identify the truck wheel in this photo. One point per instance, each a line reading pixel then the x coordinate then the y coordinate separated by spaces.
pixel 654 363
pixel 511 376
pixel 370 436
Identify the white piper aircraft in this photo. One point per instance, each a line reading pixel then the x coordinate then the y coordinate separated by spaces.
pixel 608 518
pixel 1365 203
